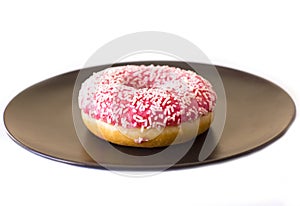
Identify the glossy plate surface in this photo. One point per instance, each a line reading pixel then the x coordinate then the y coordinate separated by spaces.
pixel 41 120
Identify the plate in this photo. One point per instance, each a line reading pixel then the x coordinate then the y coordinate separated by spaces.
pixel 43 119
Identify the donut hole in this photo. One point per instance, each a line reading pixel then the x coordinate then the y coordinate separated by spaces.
pixel 138 84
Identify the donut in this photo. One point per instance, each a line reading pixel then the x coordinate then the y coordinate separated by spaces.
pixel 146 105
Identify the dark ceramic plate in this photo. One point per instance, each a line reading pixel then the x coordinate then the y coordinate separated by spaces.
pixel 41 119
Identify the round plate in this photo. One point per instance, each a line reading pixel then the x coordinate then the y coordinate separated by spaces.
pixel 40 119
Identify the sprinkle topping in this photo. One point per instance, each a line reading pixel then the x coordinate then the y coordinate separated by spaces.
pixel 146 96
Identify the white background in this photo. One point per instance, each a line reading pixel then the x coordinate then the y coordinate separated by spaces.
pixel 41 39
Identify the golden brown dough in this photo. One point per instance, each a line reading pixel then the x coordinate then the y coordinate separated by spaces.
pixel 179 134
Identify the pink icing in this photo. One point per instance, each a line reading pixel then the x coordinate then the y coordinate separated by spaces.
pixel 146 96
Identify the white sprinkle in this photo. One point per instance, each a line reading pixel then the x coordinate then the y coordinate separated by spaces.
pixel 161 116
pixel 172 108
pixel 150 121
pixel 134 101
pixel 205 95
pixel 125 110
pixel 167 110
pixel 138 104
pixel 140 140
pixel 166 119
pixel 138 118
pixel 124 122
pixel 165 101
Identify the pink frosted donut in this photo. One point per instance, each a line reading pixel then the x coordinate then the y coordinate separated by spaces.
pixel 146 106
